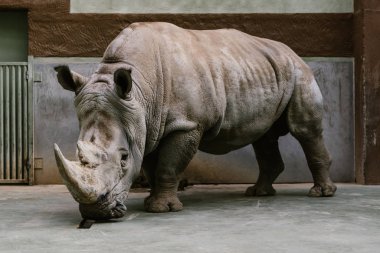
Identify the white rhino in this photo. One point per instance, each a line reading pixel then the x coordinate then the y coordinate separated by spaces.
pixel 162 92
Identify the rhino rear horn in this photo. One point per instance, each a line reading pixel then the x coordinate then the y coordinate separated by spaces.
pixel 123 81
pixel 70 80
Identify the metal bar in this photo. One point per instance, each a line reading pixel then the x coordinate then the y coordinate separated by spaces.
pixel 6 125
pixel 24 123
pixel 1 123
pixel 12 122
pixel 19 122
pixel 30 121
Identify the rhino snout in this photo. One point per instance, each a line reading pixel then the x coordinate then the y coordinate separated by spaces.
pixel 90 182
pixel 103 211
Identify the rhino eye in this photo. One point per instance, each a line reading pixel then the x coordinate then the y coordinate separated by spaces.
pixel 124 157
pixel 123 161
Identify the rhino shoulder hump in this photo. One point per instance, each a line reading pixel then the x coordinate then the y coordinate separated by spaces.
pixel 131 40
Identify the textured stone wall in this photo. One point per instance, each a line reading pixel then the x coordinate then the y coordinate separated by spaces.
pixel 54 31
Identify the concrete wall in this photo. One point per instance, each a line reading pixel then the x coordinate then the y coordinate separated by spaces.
pixel 56 122
pixel 367 99
pixel 55 119
pixel 211 6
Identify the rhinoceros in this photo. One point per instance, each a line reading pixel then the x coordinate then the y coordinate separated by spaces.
pixel 162 92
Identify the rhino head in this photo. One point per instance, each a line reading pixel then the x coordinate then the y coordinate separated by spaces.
pixel 111 142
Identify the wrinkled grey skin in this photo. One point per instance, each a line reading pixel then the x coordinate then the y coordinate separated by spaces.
pixel 215 91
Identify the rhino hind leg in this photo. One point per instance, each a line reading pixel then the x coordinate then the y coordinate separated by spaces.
pixel 319 163
pixel 270 165
pixel 304 115
pixel 172 157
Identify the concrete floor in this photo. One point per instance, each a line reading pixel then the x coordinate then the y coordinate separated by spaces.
pixel 216 218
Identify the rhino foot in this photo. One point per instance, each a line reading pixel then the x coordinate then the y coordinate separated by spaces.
pixel 257 190
pixel 322 190
pixel 155 204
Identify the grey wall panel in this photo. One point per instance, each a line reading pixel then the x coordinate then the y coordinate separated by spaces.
pixel 55 119
pixel 56 122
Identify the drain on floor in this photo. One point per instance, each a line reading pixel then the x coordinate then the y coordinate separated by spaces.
pixel 86 224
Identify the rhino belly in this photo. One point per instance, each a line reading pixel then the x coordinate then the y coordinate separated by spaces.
pixel 219 147
pixel 229 139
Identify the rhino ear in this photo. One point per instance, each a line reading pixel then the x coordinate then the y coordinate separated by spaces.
pixel 123 81
pixel 68 79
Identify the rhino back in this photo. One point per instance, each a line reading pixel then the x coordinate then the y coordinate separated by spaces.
pixel 230 84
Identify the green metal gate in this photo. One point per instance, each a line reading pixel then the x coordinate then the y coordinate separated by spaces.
pixel 16 123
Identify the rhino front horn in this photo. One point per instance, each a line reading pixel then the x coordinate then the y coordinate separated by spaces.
pixel 82 182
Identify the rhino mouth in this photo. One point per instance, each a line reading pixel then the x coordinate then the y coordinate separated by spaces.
pixel 104 209
pixel 98 198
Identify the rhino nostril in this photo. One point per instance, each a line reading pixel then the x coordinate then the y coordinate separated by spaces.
pixel 120 204
pixel 121 207
pixel 119 210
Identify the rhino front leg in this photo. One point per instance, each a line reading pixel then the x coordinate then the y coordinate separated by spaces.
pixel 270 164
pixel 174 154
